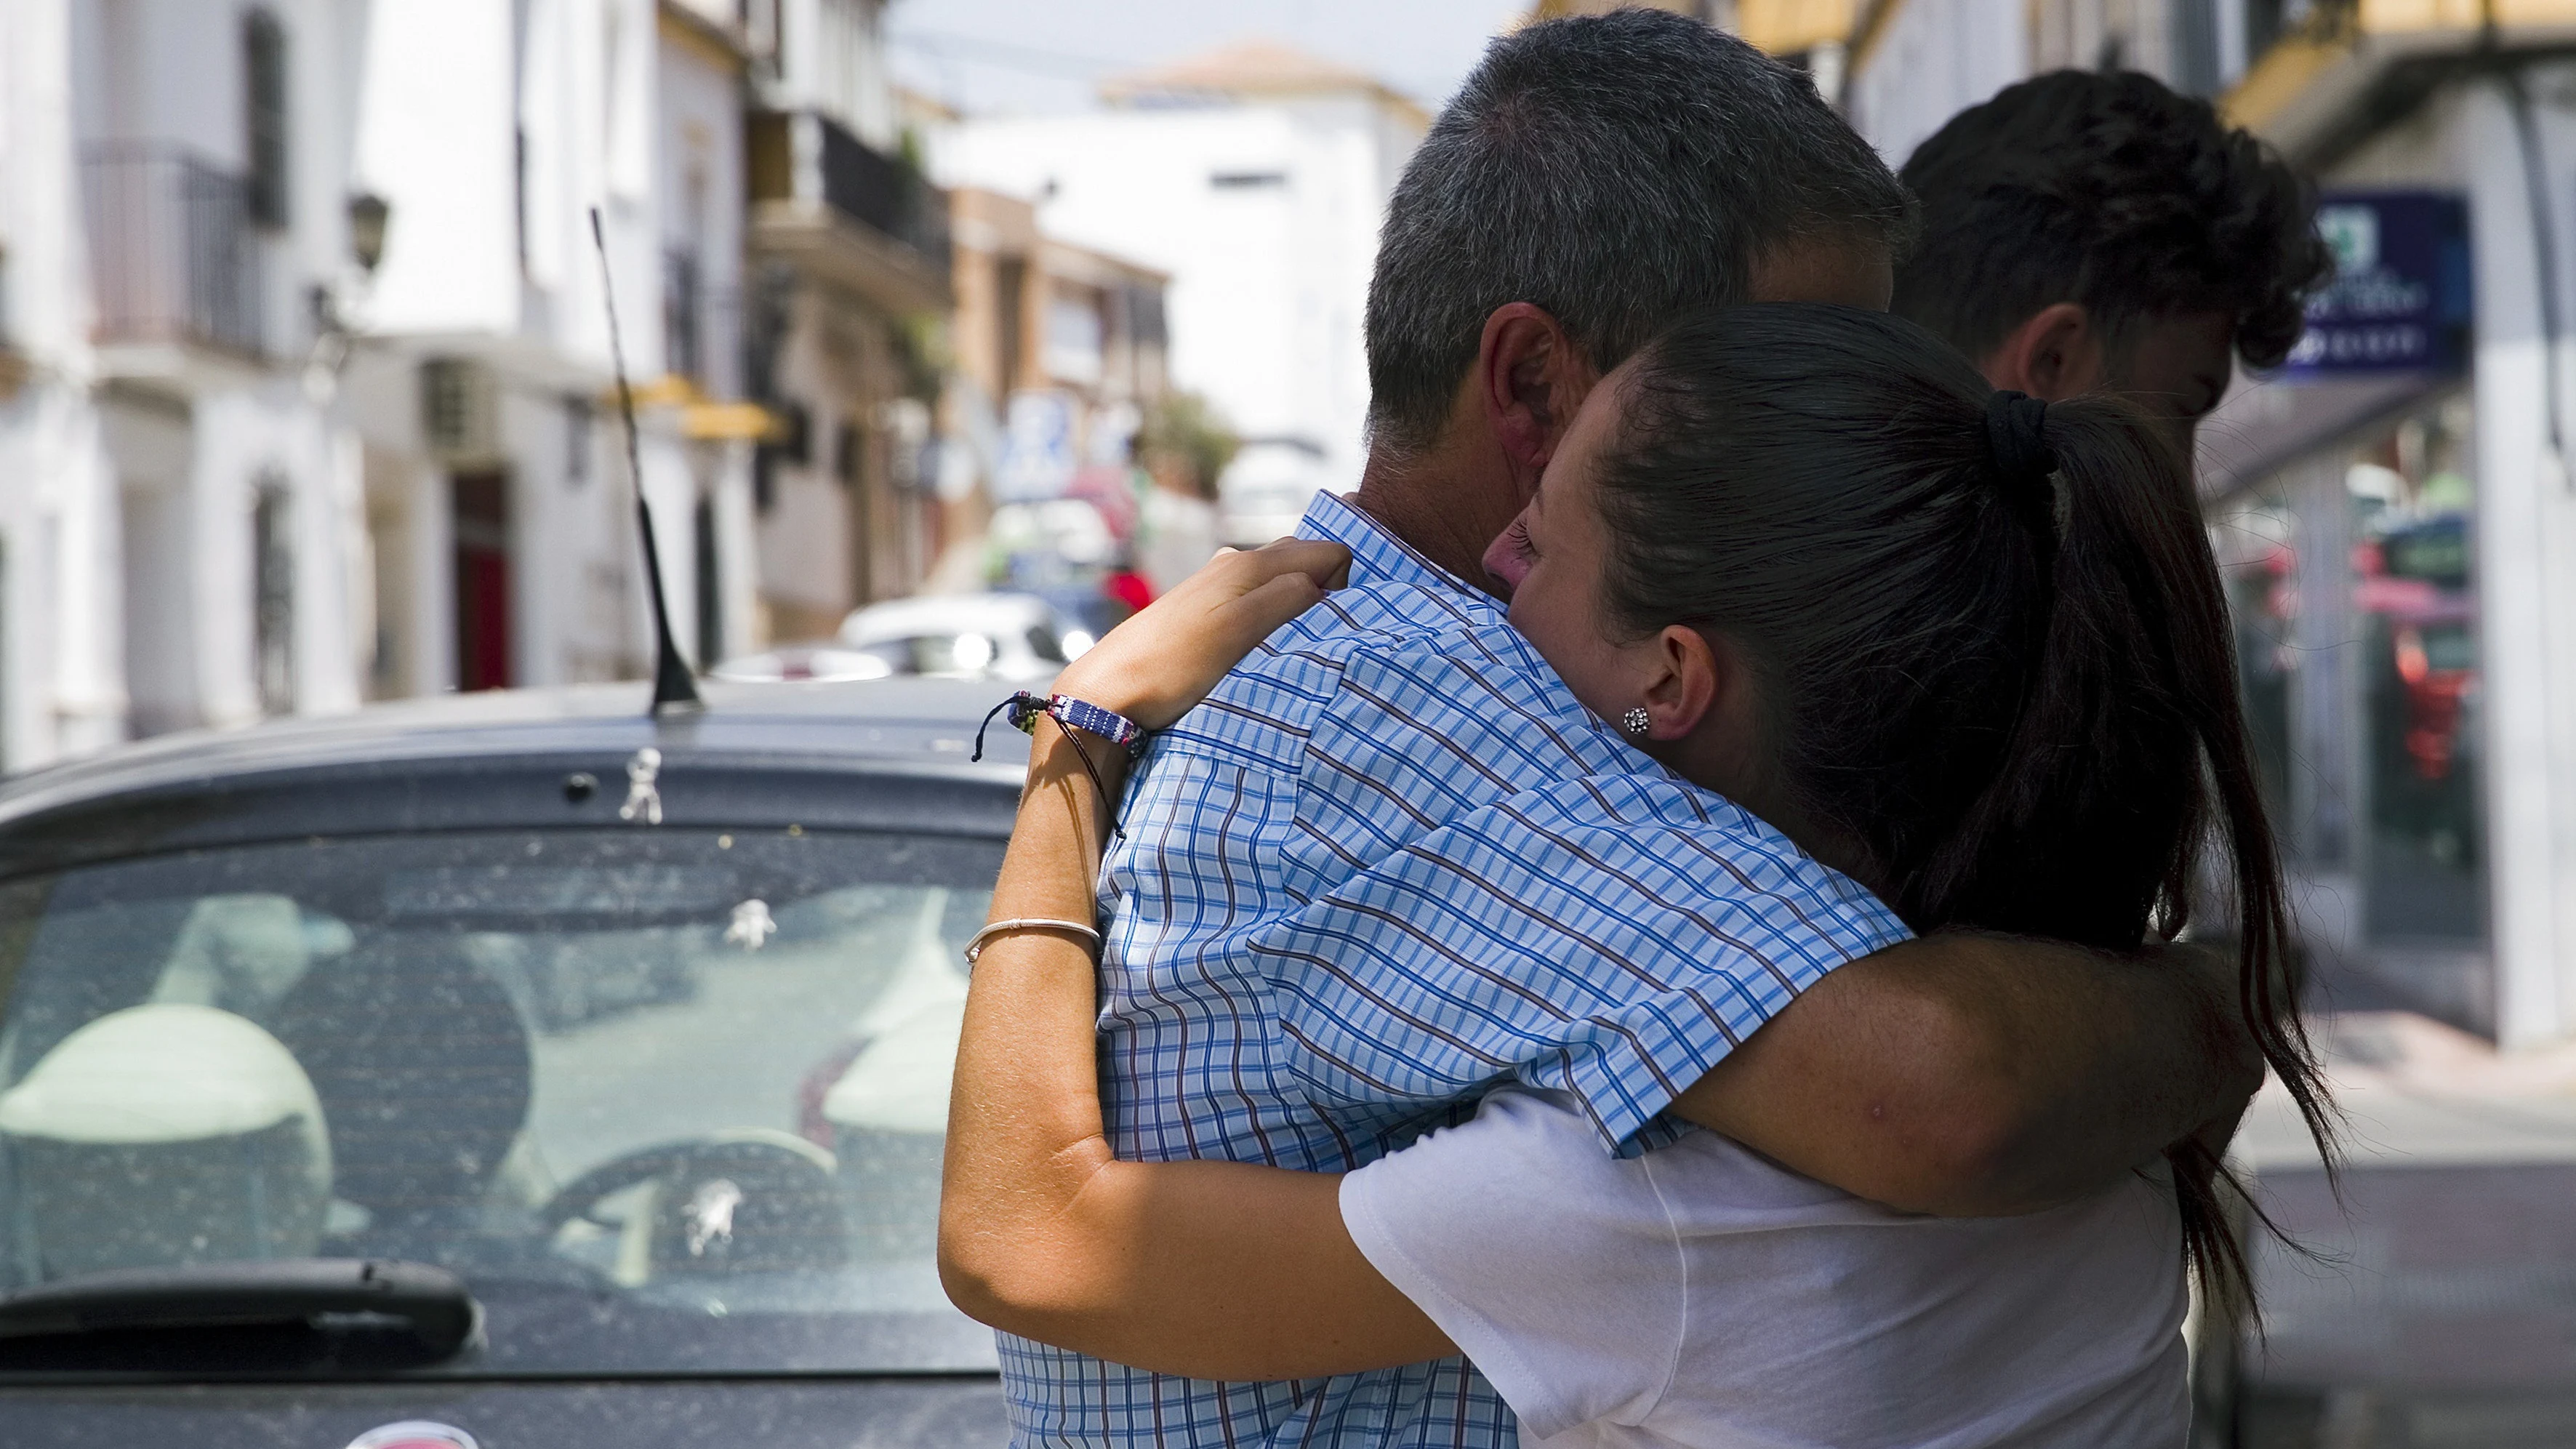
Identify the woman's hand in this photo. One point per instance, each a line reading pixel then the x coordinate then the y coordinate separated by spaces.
pixel 1157 665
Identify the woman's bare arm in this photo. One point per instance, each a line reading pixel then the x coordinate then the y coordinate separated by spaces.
pixel 1207 1269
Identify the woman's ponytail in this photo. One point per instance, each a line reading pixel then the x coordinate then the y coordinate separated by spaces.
pixel 2136 682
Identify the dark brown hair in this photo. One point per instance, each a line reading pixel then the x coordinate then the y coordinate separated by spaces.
pixel 2109 189
pixel 2021 719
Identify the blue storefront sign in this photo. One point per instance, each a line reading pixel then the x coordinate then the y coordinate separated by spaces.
pixel 2399 301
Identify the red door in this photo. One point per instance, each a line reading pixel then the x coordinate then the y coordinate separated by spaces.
pixel 482 503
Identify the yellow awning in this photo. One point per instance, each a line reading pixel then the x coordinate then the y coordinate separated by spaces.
pixel 728 422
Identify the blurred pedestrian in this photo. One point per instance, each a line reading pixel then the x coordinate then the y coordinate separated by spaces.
pixel 1179 532
pixel 1183 450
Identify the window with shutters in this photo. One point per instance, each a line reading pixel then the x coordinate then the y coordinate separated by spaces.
pixel 273 595
pixel 264 105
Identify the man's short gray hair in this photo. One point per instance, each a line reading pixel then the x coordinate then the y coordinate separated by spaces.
pixel 1617 170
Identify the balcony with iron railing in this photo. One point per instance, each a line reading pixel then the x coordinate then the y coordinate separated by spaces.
pixel 884 192
pixel 826 199
pixel 174 250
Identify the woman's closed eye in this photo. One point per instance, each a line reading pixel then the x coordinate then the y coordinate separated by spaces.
pixel 1509 557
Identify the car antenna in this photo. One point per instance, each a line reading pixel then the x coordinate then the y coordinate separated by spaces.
pixel 672 682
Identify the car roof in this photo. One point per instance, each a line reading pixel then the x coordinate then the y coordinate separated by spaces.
pixel 876 754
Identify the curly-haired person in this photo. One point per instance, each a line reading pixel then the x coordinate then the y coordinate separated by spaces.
pixel 2090 230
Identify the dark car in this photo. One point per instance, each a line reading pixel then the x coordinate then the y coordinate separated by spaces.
pixel 512 1069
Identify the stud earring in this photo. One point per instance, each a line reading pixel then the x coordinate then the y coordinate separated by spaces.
pixel 1636 721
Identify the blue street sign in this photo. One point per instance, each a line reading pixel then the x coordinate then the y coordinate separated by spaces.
pixel 2399 301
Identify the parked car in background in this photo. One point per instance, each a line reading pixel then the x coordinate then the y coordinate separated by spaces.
pixel 511 1062
pixel 1017 637
pixel 793 663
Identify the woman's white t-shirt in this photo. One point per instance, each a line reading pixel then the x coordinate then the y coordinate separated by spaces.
pixel 1702 1295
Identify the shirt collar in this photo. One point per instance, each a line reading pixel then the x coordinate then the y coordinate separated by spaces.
pixel 1377 555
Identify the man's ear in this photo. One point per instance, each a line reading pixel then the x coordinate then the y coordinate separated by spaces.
pixel 2055 354
pixel 1531 378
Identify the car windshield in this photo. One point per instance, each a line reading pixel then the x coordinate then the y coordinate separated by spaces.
pixel 667 1100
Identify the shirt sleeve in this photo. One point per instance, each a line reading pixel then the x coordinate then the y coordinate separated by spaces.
pixel 1609 934
pixel 1555 1268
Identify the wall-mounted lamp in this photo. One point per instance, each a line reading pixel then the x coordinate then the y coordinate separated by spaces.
pixel 368 214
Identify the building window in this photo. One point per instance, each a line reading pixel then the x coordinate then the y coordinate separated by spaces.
pixel 577 441
pixel 795 437
pixel 273 596
pixel 1145 317
pixel 1074 337
pixel 848 456
pixel 791 442
pixel 1010 304
pixel 264 106
pixel 680 312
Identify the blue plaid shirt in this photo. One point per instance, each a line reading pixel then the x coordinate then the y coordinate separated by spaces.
pixel 1387 864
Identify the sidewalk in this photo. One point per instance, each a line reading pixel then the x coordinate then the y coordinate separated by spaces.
pixel 2434 1305
pixel 2417 1093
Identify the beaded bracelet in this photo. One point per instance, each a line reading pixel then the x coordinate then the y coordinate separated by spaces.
pixel 1079 714
pixel 1022 711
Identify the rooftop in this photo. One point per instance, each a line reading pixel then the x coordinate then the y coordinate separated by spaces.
pixel 1244 70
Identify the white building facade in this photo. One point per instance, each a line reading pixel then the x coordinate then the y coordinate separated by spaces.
pixel 175 492
pixel 1257 178
pixel 304 358
pixel 62 678
pixel 497 493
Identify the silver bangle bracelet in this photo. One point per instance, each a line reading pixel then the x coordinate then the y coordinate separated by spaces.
pixel 975 947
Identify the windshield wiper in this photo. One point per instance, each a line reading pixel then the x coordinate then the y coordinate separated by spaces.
pixel 328 1295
